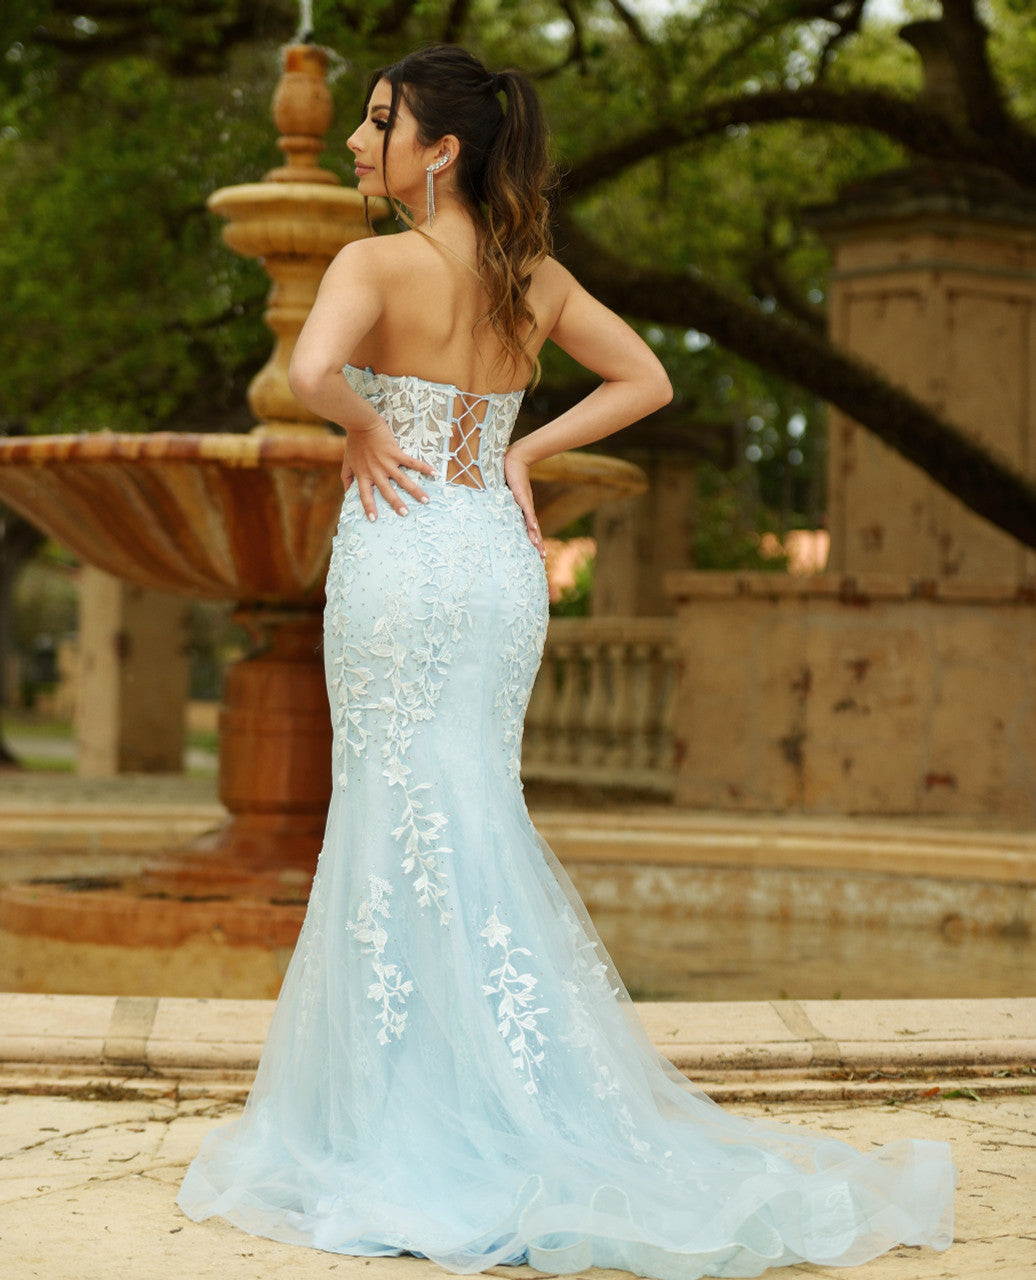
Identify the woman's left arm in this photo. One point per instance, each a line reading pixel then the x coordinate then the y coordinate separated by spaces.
pixel 348 305
pixel 634 385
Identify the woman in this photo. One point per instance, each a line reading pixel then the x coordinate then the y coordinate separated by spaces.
pixel 454 1069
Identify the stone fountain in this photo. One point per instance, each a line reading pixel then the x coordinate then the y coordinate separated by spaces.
pixel 247 518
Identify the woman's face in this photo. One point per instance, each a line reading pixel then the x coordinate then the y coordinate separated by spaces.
pixel 408 159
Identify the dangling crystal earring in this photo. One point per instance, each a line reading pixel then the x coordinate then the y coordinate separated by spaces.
pixel 430 171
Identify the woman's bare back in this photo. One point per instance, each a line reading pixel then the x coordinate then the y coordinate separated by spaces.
pixel 432 323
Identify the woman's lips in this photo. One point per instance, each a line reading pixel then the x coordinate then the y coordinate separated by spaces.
pixel 363 169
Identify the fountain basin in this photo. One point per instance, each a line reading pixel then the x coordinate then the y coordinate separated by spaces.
pixel 229 517
pixel 692 905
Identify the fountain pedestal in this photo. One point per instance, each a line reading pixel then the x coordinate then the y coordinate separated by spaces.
pixel 275 747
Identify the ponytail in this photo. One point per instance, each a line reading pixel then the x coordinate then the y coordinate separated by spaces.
pixel 516 235
pixel 503 171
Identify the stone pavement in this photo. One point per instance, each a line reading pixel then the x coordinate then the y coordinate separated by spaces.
pixel 87 1190
pixel 104 1101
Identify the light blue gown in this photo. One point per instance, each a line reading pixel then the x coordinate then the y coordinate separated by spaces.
pixel 454 1068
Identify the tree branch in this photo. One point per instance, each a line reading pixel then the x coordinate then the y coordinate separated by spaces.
pixel 631 22
pixel 989 487
pixel 847 25
pixel 393 18
pixel 456 18
pixel 763 24
pixel 916 127
pixel 577 52
pixel 767 278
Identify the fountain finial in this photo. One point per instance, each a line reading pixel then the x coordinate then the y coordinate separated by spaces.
pixel 302 111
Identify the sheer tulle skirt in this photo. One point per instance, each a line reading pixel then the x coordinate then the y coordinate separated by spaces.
pixel 454 1068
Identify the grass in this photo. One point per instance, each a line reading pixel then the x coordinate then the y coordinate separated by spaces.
pixel 25 724
pixel 29 728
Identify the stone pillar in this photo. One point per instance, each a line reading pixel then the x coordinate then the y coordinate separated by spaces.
pixel 133 678
pixel 640 539
pixel 934 283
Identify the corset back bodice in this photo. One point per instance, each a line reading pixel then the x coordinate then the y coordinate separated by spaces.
pixel 462 435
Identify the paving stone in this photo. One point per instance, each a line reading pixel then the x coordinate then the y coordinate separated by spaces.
pixel 108 1210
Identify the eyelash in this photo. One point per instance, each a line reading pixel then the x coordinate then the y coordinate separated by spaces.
pixel 381 125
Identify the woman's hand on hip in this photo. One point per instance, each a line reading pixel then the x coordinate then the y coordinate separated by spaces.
pixel 373 459
pixel 516 473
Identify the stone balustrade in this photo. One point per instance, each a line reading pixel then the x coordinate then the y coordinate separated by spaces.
pixel 602 704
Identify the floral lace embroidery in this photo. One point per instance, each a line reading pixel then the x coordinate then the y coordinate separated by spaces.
pixel 385 687
pixel 520 660
pixel 410 701
pixel 390 989
pixel 409 688
pixel 350 678
pixel 516 993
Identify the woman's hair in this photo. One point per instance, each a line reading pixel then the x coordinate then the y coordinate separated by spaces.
pixel 504 169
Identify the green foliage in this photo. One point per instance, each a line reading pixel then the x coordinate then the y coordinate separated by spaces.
pixel 130 313
pixel 731 522
pixel 45 599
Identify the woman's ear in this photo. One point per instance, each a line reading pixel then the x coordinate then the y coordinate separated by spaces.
pixel 450 143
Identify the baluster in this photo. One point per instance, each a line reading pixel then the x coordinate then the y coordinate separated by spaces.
pixel 665 763
pixel 566 724
pixel 595 716
pixel 617 754
pixel 642 708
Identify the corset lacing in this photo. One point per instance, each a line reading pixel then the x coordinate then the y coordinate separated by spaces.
pixel 461 434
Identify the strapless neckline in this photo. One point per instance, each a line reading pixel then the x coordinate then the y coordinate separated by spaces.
pixel 367 372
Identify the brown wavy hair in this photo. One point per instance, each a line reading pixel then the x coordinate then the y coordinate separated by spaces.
pixel 504 171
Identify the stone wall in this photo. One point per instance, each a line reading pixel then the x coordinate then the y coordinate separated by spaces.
pixel 874 694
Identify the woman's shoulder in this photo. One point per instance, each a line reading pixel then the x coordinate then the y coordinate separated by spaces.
pixel 396 260
pixel 376 255
pixel 548 273
pixel 550 288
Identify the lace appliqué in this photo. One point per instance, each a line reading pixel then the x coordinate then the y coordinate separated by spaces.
pixel 515 994
pixel 411 699
pixel 408 687
pixel 519 659
pixel 390 988
pixel 349 678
